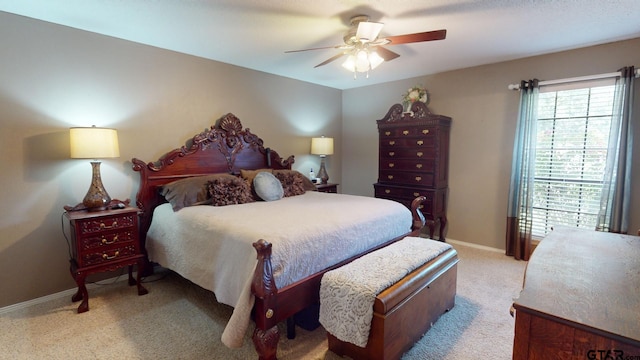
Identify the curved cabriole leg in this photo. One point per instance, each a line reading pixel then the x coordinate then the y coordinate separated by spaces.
pixel 263 287
pixel 443 223
pixel 138 281
pixel 416 214
pixel 81 294
pixel 266 343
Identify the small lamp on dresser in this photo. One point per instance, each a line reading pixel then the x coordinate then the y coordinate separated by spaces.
pixel 322 146
pixel 94 143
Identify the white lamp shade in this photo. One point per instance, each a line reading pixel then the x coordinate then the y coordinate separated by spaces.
pixel 322 146
pixel 93 143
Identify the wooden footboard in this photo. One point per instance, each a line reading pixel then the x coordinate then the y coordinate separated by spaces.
pixel 274 305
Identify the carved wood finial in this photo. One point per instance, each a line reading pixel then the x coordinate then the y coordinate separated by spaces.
pixel 419 110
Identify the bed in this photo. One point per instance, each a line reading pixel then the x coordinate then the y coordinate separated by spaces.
pixel 264 258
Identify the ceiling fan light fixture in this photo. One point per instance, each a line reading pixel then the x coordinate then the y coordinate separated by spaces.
pixel 375 59
pixel 362 60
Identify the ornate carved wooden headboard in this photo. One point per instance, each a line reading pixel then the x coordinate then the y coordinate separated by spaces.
pixel 223 148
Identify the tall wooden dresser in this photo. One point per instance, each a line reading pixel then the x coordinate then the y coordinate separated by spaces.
pixel 414 161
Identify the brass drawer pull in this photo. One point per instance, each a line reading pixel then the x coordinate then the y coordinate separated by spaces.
pixel 387 191
pixel 419 166
pixel 107 242
pixel 418 178
pixel 387 133
pixel 392 142
pixel 425 131
pixel 107 257
pixel 391 153
pixel 391 165
pixel 419 142
pixel 114 225
pixel 405 132
pixel 390 177
pixel 419 153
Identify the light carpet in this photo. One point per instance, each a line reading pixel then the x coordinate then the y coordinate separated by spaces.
pixel 178 320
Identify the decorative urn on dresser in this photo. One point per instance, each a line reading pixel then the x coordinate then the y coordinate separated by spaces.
pixel 413 161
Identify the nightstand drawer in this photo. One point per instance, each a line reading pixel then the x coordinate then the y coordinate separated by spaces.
pixel 100 257
pixel 115 222
pixel 106 240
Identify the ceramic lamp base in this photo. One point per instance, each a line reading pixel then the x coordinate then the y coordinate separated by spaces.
pixel 97 198
pixel 322 174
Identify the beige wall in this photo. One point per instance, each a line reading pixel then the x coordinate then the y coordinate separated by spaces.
pixel 53 77
pixel 484 112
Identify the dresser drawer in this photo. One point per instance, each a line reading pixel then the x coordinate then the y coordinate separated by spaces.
pixel 106 240
pixel 407 178
pixel 415 143
pixel 111 255
pixel 402 192
pixel 115 222
pixel 407 131
pixel 406 196
pixel 426 165
pixel 408 153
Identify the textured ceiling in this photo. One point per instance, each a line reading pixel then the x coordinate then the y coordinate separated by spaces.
pixel 256 33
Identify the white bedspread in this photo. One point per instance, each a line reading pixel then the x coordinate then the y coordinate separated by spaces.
pixel 212 246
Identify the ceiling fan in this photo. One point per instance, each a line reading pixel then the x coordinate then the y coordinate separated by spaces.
pixel 365 50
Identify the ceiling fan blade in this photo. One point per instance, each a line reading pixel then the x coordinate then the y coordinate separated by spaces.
pixel 418 37
pixel 318 48
pixel 386 54
pixel 333 58
pixel 368 31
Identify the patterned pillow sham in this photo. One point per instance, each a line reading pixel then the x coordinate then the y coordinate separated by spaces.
pixel 306 183
pixel 292 183
pixel 229 191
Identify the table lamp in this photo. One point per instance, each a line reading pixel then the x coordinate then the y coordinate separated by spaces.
pixel 322 146
pixel 94 143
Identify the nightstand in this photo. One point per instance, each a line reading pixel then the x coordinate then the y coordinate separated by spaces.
pixel 327 188
pixel 103 241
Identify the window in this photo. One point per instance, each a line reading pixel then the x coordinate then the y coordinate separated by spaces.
pixel 571 151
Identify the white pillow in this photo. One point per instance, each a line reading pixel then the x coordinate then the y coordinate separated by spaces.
pixel 267 186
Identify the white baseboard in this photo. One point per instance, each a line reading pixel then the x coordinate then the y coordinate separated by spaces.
pixel 70 292
pixel 481 247
pixel 61 294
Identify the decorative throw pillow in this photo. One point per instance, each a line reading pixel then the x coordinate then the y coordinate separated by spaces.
pixel 306 183
pixel 267 186
pixel 229 191
pixel 190 191
pixel 248 175
pixel 292 183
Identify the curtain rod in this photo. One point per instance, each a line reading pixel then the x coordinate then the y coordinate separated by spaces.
pixel 580 78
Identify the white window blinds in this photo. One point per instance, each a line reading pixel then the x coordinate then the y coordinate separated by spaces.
pixel 571 149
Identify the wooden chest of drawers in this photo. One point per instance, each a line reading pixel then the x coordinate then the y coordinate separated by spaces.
pixel 414 161
pixel 103 241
